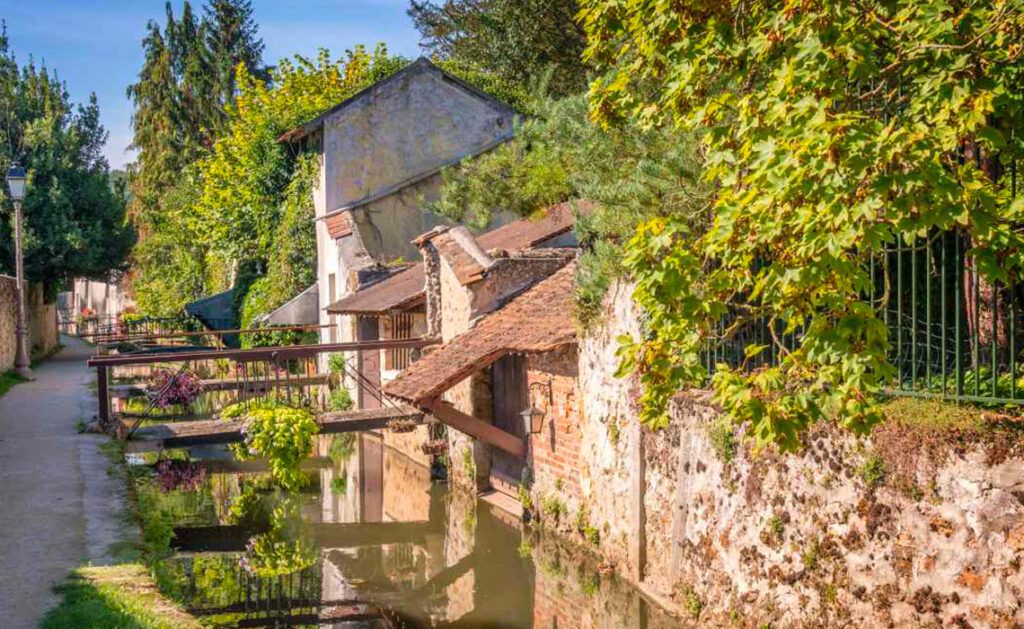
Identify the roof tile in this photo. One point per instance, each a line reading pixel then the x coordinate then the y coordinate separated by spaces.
pixel 405 290
pixel 536 321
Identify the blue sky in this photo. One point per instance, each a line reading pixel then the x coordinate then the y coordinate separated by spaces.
pixel 95 45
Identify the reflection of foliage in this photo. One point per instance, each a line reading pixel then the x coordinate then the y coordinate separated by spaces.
pixel 284 436
pixel 343 446
pixel 339 485
pixel 285 549
pixel 271 555
pixel 339 400
pixel 174 475
pixel 217 580
pixel 246 508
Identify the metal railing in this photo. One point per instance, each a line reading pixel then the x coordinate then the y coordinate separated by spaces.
pixel 235 375
pixel 953 333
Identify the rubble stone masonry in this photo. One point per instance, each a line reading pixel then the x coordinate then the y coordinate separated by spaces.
pixel 42 322
pixel 729 536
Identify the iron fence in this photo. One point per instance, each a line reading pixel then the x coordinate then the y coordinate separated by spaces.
pixel 953 333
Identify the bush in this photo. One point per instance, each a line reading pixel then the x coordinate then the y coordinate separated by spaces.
pixel 339 400
pixel 284 436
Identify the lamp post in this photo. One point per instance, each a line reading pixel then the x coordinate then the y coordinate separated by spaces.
pixel 16 183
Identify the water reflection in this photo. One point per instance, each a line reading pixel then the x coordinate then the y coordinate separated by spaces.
pixel 373 543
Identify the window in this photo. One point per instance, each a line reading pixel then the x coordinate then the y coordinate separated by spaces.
pixel 401 328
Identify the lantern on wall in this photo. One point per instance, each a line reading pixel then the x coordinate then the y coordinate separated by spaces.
pixel 534 419
pixel 533 416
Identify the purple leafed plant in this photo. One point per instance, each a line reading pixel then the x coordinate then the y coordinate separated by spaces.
pixel 185 388
pixel 174 475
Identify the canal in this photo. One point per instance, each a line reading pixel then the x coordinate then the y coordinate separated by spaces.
pixel 372 541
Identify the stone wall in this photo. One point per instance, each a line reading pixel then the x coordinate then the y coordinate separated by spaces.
pixel 900 530
pixel 41 320
pixel 8 303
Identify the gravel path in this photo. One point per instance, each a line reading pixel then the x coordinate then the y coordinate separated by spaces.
pixel 59 508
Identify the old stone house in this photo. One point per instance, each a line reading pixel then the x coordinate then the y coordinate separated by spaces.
pixel 381 153
pixel 704 524
pixel 397 307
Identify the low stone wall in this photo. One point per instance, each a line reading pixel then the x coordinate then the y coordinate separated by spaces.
pixel 906 529
pixel 42 322
pixel 8 301
pixel 884 532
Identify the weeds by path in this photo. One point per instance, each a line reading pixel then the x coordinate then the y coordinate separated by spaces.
pixel 115 597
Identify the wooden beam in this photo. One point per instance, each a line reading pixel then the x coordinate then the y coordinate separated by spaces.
pixel 231 466
pixel 477 428
pixel 219 431
pixel 142 336
pixel 230 384
pixel 259 353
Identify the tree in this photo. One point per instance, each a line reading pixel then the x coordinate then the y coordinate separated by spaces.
pixel 518 40
pixel 831 130
pixel 74 222
pixel 186 86
pixel 629 174
pixel 232 39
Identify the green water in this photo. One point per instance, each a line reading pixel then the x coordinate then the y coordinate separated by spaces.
pixel 372 542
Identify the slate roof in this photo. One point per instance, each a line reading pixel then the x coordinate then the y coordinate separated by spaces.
pixel 538 320
pixel 404 290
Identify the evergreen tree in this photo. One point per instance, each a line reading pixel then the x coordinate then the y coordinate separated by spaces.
pixel 232 39
pixel 518 40
pixel 184 90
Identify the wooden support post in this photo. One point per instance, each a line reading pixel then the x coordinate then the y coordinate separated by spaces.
pixel 487 433
pixel 103 391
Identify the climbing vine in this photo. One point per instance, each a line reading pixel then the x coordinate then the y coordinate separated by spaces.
pixel 831 130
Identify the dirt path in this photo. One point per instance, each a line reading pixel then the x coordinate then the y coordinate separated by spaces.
pixel 58 506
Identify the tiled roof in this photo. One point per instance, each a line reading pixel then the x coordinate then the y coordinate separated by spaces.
pixel 339 225
pixel 405 290
pixel 463 254
pixel 401 291
pixel 538 320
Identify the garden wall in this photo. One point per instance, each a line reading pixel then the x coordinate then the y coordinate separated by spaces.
pixel 42 322
pixel 920 526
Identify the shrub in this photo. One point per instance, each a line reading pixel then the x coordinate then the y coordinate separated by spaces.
pixel 339 400
pixel 284 436
pixel 185 388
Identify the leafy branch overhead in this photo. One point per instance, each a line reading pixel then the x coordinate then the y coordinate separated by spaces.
pixel 831 130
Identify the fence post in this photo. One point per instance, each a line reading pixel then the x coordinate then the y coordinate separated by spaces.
pixel 104 393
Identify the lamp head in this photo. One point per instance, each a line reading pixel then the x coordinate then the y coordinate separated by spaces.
pixel 16 179
pixel 535 418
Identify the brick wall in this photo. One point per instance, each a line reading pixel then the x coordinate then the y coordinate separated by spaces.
pixel 555 451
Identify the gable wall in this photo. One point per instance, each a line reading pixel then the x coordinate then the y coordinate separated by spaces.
pixel 403 130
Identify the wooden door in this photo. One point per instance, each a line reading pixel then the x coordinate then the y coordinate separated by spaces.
pixel 510 393
pixel 368 329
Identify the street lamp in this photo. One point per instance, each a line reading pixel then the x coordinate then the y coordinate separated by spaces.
pixel 16 183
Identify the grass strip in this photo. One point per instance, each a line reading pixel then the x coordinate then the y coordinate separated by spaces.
pixel 115 597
